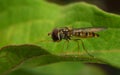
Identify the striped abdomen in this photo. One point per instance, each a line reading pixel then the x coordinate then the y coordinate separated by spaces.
pixel 85 34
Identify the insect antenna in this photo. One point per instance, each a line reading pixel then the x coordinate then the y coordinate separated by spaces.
pixel 49 34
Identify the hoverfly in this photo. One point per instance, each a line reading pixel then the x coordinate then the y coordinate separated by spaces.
pixel 67 33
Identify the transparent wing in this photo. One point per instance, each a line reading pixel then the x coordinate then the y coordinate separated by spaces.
pixel 89 29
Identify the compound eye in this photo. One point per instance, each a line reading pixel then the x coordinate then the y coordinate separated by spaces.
pixel 56 35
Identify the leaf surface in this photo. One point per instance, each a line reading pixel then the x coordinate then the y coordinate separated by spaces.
pixel 29 22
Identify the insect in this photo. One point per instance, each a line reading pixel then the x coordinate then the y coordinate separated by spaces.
pixel 66 33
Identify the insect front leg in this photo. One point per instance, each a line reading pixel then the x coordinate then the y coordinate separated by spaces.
pixel 77 40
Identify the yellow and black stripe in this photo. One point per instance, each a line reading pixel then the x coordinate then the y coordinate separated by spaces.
pixel 85 34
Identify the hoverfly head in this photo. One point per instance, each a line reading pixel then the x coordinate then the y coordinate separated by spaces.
pixel 56 35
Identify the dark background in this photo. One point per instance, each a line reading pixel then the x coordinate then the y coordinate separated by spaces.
pixel 107 5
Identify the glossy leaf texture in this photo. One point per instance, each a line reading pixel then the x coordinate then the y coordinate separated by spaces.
pixel 30 21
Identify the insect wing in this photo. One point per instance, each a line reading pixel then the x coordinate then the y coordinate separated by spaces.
pixel 89 29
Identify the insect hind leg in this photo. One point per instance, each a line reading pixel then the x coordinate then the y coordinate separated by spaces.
pixel 77 40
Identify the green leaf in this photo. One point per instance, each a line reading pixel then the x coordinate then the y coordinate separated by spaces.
pixel 29 22
pixel 69 68
pixel 11 57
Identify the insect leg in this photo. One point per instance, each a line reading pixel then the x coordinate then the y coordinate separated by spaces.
pixel 67 43
pixel 78 45
pixel 84 47
pixel 65 46
pixel 67 39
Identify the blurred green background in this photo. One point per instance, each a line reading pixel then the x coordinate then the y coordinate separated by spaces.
pixel 76 68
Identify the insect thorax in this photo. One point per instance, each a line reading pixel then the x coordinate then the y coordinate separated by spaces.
pixel 65 33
